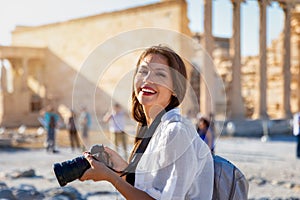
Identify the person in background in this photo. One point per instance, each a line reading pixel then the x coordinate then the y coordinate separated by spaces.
pixel 168 160
pixel 205 132
pixel 116 120
pixel 73 133
pixel 85 124
pixel 51 119
pixel 296 131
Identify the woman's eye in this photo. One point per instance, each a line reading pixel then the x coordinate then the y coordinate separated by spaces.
pixel 160 74
pixel 143 72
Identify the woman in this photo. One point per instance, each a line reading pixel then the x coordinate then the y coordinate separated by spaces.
pixel 205 133
pixel 74 139
pixel 168 160
pixel 51 121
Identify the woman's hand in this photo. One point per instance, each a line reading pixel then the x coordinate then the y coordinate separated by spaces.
pixel 97 172
pixel 119 164
pixel 100 171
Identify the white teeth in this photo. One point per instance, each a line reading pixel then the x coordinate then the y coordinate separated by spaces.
pixel 148 90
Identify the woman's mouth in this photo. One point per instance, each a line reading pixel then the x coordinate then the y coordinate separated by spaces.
pixel 147 91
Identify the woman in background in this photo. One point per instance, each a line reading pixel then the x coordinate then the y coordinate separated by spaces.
pixel 205 132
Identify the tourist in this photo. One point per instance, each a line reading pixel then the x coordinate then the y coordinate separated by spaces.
pixel 85 124
pixel 168 161
pixel 296 131
pixel 51 119
pixel 73 133
pixel 205 131
pixel 116 120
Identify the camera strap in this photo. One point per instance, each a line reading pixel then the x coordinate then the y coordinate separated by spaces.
pixel 146 134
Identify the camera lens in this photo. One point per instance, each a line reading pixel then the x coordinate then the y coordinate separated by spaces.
pixel 70 170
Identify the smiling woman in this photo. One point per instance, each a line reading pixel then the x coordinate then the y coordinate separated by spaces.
pixel 166 67
pixel 153 82
pixel 165 140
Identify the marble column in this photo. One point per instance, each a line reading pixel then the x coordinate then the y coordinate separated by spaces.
pixel 261 111
pixel 2 81
pixel 3 77
pixel 287 60
pixel 25 74
pixel 298 82
pixel 235 106
pixel 25 94
pixel 207 81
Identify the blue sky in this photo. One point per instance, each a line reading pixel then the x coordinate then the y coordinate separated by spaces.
pixel 37 12
pixel 222 22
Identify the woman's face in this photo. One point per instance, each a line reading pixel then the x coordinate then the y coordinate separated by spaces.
pixel 153 83
pixel 201 124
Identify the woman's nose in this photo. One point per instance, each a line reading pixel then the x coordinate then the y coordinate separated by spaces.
pixel 149 77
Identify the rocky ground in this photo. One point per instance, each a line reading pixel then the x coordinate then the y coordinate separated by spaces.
pixel 271 168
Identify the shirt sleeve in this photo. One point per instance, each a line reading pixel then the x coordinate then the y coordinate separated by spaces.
pixel 180 158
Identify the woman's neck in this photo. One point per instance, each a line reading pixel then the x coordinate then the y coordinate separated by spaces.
pixel 151 113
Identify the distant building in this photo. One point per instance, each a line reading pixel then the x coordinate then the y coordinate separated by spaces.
pixel 45 61
pixel 44 65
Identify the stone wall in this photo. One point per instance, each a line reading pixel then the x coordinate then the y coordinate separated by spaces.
pixel 70 43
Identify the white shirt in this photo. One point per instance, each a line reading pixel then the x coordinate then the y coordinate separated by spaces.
pixel 177 164
pixel 117 122
pixel 296 120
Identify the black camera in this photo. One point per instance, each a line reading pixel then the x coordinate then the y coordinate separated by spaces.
pixel 71 170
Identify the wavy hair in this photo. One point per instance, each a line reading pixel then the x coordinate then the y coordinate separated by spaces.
pixel 178 74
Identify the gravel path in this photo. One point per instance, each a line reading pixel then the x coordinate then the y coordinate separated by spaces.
pixel 271 167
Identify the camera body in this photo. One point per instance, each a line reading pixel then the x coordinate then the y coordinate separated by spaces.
pixel 71 170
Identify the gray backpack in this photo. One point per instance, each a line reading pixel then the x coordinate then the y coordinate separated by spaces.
pixel 229 182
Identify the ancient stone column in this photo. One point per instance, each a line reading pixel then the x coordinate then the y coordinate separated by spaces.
pixel 261 111
pixel 298 83
pixel 235 105
pixel 2 81
pixel 296 29
pixel 3 77
pixel 287 60
pixel 207 96
pixel 25 74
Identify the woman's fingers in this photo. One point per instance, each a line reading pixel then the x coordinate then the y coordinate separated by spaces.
pixel 97 172
pixel 119 163
pixel 110 151
pixel 85 176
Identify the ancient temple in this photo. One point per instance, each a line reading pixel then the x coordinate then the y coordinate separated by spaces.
pixel 44 64
pixel 265 86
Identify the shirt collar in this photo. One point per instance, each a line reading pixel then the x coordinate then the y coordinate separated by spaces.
pixel 172 115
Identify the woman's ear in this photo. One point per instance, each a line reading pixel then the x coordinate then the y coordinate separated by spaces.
pixel 174 93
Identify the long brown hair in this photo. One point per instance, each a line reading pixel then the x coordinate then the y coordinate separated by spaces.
pixel 178 75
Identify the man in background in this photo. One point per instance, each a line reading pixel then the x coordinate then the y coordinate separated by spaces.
pixel 296 131
pixel 116 120
pixel 85 124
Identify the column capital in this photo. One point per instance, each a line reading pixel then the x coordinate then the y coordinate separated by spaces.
pixel 295 23
pixel 287 4
pixel 264 2
pixel 237 1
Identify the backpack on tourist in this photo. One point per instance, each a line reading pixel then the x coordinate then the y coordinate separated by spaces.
pixel 229 182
